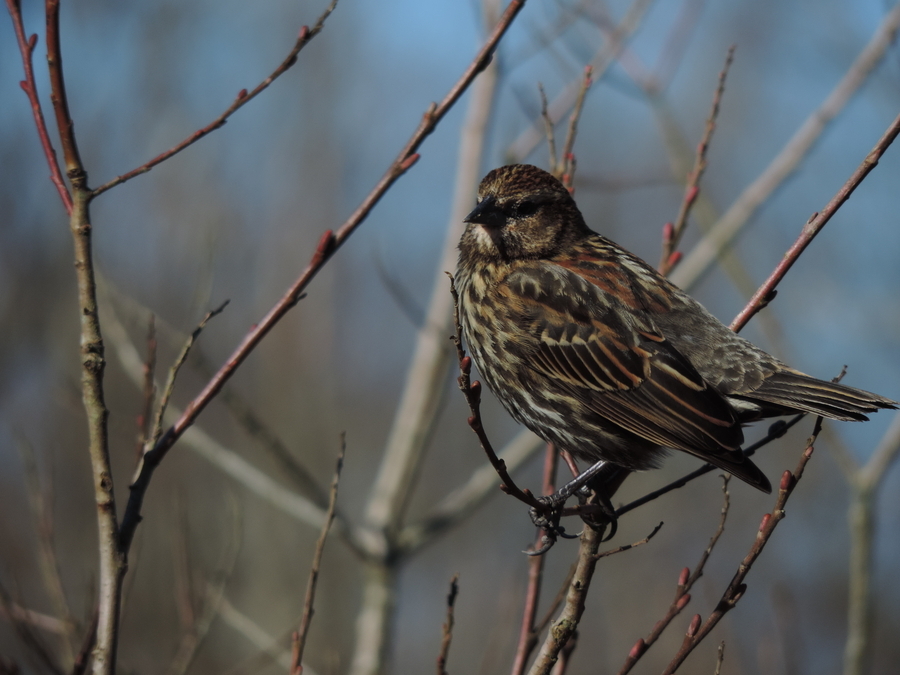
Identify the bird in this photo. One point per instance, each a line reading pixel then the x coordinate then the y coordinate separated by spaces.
pixel 593 350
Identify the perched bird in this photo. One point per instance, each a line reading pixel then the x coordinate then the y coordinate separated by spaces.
pixel 593 350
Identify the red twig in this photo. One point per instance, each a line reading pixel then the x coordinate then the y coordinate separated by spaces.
pixel 328 244
pixel 26 47
pixel 242 98
pixel 472 392
pixel 672 233
pixel 686 580
pixel 814 225
pixel 736 588
pixel 567 160
pixel 528 632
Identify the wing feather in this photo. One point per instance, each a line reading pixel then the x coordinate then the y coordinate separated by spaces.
pixel 618 364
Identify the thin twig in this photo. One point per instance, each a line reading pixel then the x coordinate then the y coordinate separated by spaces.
pixel 447 634
pixel 26 48
pixel 243 97
pixel 720 657
pixel 298 639
pixel 776 430
pixel 686 581
pixel 736 588
pixel 605 57
pixel 148 390
pixel 173 374
pixel 527 633
pixel 567 160
pixel 328 244
pixel 555 167
pixel 628 547
pixel 672 234
pixel 699 260
pixel 472 392
pixel 814 225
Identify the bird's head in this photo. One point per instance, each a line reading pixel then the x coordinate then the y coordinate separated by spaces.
pixel 522 213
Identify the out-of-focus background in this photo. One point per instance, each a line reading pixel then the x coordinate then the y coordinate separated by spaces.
pixel 237 216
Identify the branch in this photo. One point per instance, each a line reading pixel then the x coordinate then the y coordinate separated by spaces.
pixel 673 233
pixel 448 627
pixel 686 581
pixel 785 163
pixel 298 639
pixel 735 591
pixel 93 363
pixel 814 225
pixel 529 139
pixel 472 392
pixel 243 97
pixel 565 626
pixel 527 632
pixel 426 377
pixel 328 244
pixel 26 48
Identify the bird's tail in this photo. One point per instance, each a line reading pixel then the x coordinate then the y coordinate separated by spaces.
pixel 789 390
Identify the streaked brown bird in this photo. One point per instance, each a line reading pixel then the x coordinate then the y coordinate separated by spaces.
pixel 593 350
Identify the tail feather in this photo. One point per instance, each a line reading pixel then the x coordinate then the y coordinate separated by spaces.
pixel 790 390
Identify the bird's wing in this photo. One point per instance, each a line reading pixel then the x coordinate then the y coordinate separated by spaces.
pixel 615 361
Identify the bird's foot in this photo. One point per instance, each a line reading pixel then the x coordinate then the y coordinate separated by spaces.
pixel 595 507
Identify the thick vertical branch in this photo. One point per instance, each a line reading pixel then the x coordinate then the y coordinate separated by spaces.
pixel 112 562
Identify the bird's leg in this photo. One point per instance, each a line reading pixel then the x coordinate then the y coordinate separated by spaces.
pixel 603 478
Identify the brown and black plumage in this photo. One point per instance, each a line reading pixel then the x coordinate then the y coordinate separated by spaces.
pixel 589 347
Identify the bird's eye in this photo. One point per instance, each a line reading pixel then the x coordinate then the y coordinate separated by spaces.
pixel 526 208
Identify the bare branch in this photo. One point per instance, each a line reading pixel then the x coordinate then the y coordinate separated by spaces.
pixel 815 224
pixel 529 139
pixel 448 627
pixel 298 640
pixel 173 374
pixel 328 244
pixel 686 581
pixel 736 588
pixel 527 632
pixel 243 97
pixel 564 627
pixel 472 392
pixel 672 235
pixel 698 261
pixel 26 48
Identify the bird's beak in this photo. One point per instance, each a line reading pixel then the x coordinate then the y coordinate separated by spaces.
pixel 486 213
